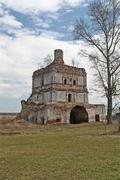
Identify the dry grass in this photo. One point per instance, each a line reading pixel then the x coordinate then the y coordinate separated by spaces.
pixel 6 118
pixel 59 152
pixel 9 125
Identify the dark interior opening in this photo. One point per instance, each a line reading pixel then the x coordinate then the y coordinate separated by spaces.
pixel 58 119
pixel 74 82
pixel 65 81
pixel 42 120
pixel 69 97
pixel 78 115
pixel 97 118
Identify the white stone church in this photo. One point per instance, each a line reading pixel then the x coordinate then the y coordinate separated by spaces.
pixel 60 95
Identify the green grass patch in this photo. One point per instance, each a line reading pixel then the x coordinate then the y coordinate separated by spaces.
pixel 61 152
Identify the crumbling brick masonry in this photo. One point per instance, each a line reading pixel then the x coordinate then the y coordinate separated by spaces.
pixel 59 94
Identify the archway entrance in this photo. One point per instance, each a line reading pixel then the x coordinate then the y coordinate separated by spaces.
pixel 78 115
pixel 97 118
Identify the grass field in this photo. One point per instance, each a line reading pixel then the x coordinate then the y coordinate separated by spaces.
pixel 59 152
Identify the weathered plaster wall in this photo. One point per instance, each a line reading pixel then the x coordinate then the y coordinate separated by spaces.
pixel 56 89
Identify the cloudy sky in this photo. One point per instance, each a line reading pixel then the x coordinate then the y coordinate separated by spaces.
pixel 29 30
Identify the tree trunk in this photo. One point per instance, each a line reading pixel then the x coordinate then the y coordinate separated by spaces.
pixel 119 125
pixel 109 97
pixel 109 110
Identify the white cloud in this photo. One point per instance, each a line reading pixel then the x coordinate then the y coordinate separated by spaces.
pixel 51 34
pixel 40 22
pixel 9 21
pixel 71 28
pixel 20 57
pixel 39 5
pixel 53 16
pixel 74 3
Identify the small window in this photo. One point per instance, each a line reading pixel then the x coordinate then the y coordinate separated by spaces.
pixel 65 81
pixel 69 97
pixel 58 119
pixel 70 79
pixel 74 82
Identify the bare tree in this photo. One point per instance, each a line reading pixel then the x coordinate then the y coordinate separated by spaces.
pixel 47 60
pixel 103 34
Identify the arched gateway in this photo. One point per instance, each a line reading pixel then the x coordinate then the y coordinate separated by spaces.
pixel 78 115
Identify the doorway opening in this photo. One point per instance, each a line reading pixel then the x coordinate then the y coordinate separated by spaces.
pixel 78 115
pixel 97 118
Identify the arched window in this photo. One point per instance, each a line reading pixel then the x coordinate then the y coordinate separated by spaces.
pixel 65 81
pixel 69 97
pixel 74 82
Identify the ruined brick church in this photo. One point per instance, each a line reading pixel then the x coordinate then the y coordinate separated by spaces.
pixel 59 94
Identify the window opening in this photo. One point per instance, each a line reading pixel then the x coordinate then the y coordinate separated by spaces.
pixel 65 81
pixel 74 82
pixel 58 119
pixel 69 97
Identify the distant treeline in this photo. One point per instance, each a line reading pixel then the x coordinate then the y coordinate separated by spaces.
pixel 8 114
